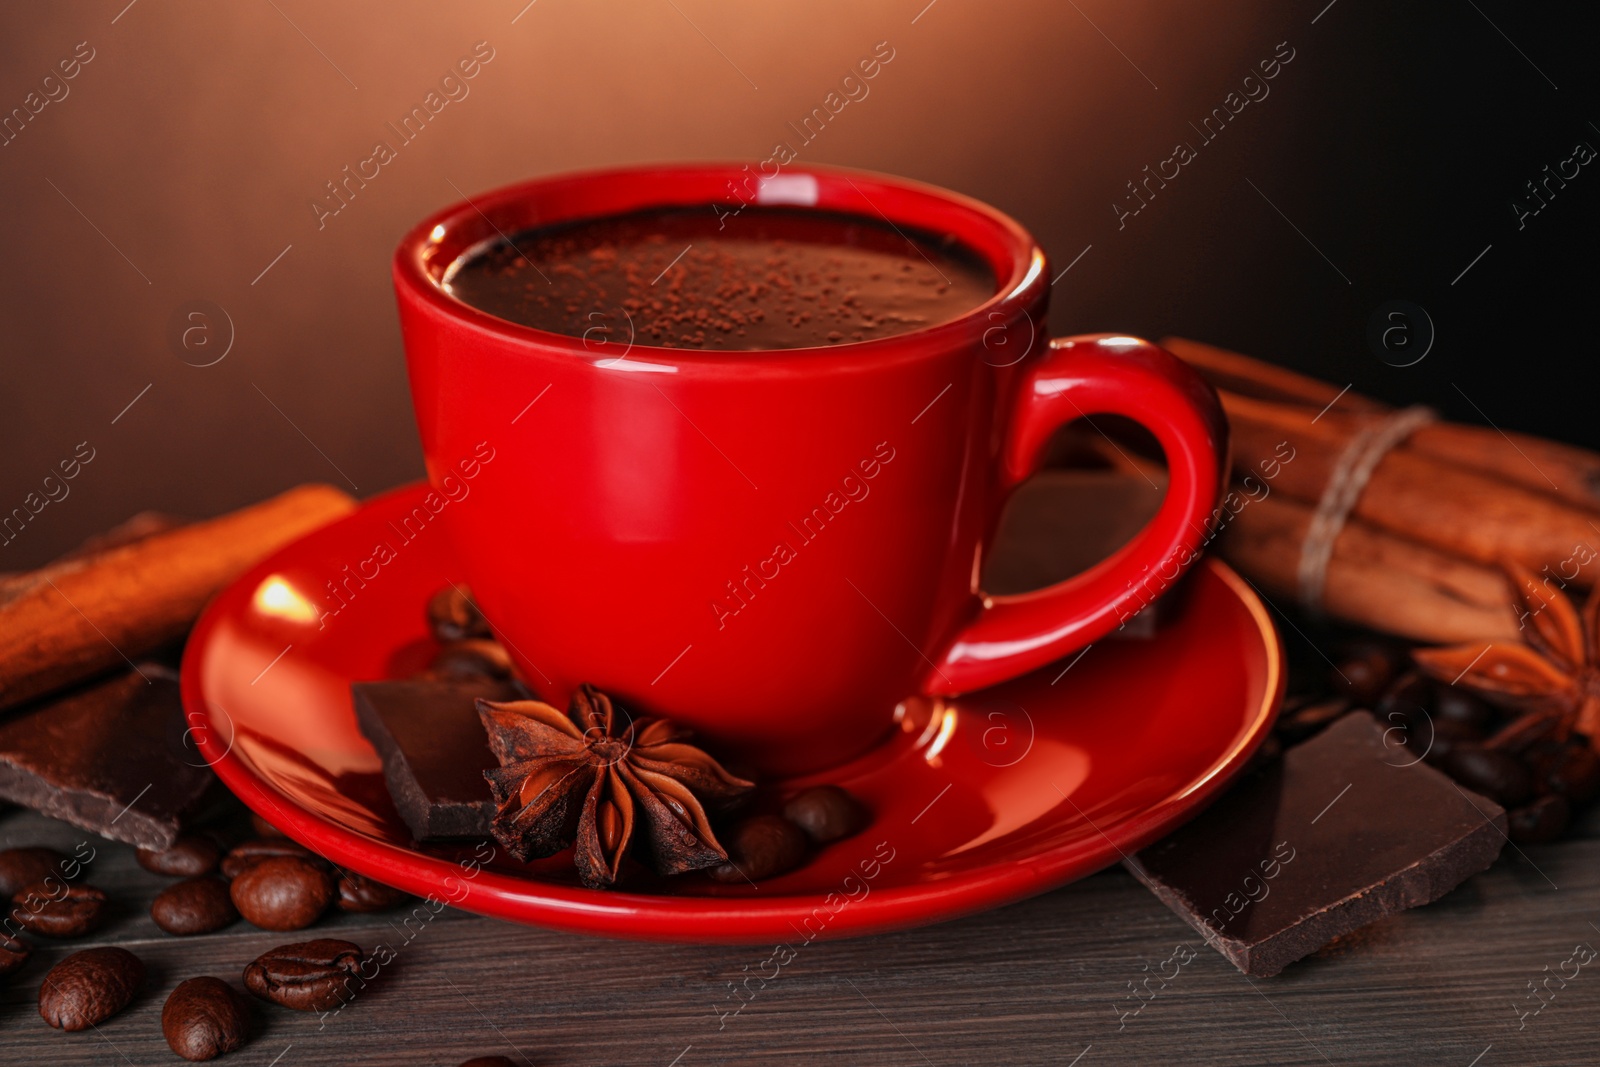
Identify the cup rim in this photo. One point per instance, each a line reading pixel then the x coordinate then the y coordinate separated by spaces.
pixel 1020 266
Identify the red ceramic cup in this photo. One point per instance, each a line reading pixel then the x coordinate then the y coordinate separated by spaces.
pixel 776 548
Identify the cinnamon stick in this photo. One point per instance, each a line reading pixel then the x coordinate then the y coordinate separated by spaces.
pixel 81 615
pixel 1566 471
pixel 1454 509
pixel 1373 579
pixel 137 528
pixel 1261 380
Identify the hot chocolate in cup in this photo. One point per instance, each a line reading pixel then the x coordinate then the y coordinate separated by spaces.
pixel 739 446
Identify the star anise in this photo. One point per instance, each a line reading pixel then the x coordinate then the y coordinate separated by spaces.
pixel 1553 678
pixel 591 776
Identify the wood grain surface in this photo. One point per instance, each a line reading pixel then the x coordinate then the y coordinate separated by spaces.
pixel 1045 981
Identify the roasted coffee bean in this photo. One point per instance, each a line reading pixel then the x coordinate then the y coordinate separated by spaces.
pixel 452 616
pixel 489 1061
pixel 1578 776
pixel 826 813
pixel 1543 820
pixel 283 893
pixel 761 847
pixel 203 1018
pixel 1496 775
pixel 1311 717
pixel 194 906
pixel 359 893
pixel 1572 771
pixel 311 976
pixel 1459 705
pixel 264 828
pixel 14 953
pixel 89 987
pixel 1410 693
pixel 1366 668
pixel 58 909
pixel 22 867
pixel 251 852
pixel 475 658
pixel 1541 757
pixel 190 856
pixel 1436 739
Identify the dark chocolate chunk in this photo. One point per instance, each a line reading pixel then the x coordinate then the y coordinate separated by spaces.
pixel 1345 829
pixel 109 757
pixel 434 750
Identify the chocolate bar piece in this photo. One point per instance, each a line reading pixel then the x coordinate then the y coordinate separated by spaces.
pixel 434 750
pixel 1341 831
pixel 110 757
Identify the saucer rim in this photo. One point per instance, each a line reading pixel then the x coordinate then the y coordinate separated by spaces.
pixel 699 920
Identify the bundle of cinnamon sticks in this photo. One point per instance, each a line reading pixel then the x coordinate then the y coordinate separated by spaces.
pixel 1419 552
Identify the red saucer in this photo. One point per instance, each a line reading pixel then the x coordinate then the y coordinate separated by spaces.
pixel 977 801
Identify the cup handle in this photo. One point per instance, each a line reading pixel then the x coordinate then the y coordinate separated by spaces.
pixel 1102 374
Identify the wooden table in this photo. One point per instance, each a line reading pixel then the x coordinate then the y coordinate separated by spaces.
pixel 1046 981
pixel 1041 982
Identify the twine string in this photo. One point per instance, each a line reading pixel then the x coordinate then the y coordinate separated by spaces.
pixel 1351 473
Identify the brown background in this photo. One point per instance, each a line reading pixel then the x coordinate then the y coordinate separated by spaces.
pixel 196 139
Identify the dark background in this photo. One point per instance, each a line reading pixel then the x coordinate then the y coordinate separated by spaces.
pixel 187 153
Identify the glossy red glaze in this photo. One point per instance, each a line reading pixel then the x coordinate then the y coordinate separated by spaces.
pixel 773 547
pixel 976 801
pixel 1085 376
